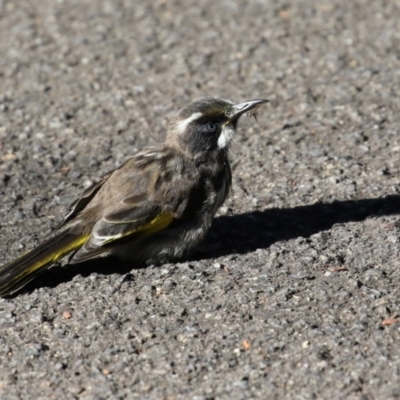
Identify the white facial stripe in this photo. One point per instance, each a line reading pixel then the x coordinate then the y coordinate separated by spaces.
pixel 226 136
pixel 182 125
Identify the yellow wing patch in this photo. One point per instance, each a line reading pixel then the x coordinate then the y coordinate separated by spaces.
pixel 160 222
pixel 157 224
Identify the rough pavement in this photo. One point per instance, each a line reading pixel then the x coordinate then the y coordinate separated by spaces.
pixel 296 291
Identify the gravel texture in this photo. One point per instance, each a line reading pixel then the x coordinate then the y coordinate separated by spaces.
pixel 296 291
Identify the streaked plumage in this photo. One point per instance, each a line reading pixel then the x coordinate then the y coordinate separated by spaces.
pixel 156 207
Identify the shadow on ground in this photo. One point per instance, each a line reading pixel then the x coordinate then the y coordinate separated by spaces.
pixel 246 233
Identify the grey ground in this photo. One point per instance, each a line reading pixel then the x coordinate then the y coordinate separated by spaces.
pixel 287 297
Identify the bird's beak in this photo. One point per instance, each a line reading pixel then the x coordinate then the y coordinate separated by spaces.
pixel 241 108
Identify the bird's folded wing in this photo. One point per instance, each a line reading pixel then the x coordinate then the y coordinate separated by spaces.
pixel 138 219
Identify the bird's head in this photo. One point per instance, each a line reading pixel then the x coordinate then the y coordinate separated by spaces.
pixel 208 125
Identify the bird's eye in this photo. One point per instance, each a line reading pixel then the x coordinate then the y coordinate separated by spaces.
pixel 211 127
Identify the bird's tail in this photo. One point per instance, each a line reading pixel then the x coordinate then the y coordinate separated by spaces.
pixel 23 269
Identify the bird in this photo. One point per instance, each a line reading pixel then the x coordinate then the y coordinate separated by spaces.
pixel 156 207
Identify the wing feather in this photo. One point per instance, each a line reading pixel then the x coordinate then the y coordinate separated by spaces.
pixel 117 234
pixel 141 198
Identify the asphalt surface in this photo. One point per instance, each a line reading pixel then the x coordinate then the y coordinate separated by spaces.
pixel 296 291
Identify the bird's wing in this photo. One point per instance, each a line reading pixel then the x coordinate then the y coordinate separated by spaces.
pixel 140 218
pixel 139 206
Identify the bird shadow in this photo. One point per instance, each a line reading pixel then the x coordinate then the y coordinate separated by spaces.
pixel 244 233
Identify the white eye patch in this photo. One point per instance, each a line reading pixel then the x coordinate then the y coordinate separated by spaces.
pixel 226 136
pixel 182 125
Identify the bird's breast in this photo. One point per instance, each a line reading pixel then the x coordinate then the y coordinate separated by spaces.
pixel 221 185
